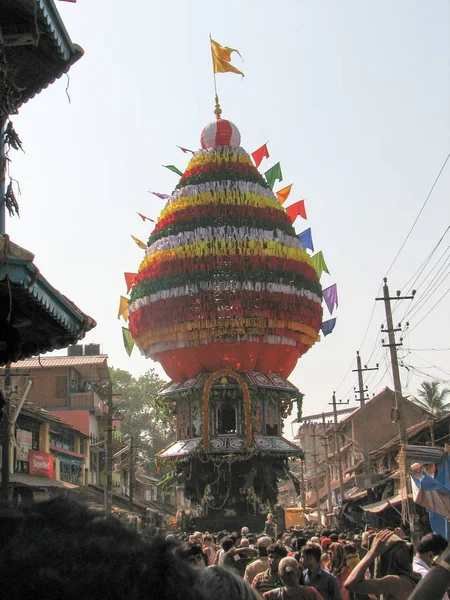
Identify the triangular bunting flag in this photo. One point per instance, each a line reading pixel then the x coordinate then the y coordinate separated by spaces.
pixel 305 238
pixel 174 169
pixel 259 154
pixel 296 210
pixel 283 194
pixel 319 264
pixel 123 308
pixel 139 242
pixel 129 278
pixel 162 196
pixel 185 150
pixel 273 174
pixel 331 297
pixel 128 341
pixel 144 218
pixel 328 326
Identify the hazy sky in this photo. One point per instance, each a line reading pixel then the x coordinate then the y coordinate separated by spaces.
pixel 354 99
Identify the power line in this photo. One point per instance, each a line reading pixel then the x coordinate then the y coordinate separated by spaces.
pixel 420 212
pixel 431 309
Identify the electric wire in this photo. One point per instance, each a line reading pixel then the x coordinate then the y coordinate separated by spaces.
pixel 419 214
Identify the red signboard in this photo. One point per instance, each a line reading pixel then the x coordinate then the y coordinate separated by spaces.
pixel 40 463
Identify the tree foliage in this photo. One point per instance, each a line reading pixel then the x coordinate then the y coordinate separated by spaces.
pixel 144 414
pixel 432 396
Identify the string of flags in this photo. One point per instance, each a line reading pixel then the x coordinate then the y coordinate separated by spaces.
pixel 297 209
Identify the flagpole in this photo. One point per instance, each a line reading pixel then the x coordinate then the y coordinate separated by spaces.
pixel 217 109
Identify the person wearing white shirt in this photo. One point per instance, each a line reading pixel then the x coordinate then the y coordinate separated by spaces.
pixel 430 546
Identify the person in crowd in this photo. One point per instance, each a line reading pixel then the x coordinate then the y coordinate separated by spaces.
pixel 434 585
pixel 244 532
pixel 395 578
pixel 357 541
pixel 220 554
pixel 223 584
pixel 62 550
pixel 208 548
pixel 352 555
pixel 325 583
pixel 228 553
pixel 261 563
pixel 430 546
pixel 268 580
pixel 193 553
pixel 325 543
pixel 338 566
pixel 270 527
pixel 289 573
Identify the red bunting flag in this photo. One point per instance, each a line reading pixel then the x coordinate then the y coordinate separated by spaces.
pixel 185 150
pixel 129 278
pixel 296 210
pixel 259 154
pixel 144 218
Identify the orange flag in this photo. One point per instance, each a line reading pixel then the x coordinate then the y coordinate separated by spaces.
pixel 283 194
pixel 129 278
pixel 296 210
pixel 144 218
pixel 221 56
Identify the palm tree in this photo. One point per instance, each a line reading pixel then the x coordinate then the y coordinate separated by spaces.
pixel 433 398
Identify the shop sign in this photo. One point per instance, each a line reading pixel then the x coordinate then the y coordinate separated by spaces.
pixel 40 463
pixel 24 441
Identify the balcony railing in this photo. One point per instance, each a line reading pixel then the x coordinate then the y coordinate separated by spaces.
pixel 89 400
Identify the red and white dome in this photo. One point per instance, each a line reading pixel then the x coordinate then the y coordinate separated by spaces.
pixel 220 132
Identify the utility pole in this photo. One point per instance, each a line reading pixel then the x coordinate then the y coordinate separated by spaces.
pixel 399 405
pixel 327 465
pixel 399 410
pixel 6 431
pixel 109 450
pixel 362 399
pixel 338 454
pixel 131 471
pixel 316 475
pixel 302 480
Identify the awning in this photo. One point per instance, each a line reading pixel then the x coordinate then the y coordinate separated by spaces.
pixel 381 505
pixel 39 482
pixel 427 455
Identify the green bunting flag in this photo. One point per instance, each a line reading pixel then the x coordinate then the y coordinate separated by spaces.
pixel 319 264
pixel 128 341
pixel 174 169
pixel 273 175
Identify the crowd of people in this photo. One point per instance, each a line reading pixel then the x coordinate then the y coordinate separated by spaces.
pixel 62 550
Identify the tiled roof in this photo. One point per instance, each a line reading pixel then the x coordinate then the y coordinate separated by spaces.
pixel 58 361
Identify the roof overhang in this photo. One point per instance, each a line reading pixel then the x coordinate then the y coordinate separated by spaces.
pixel 34 481
pixel 34 317
pixel 231 445
pixel 37 48
pixel 270 381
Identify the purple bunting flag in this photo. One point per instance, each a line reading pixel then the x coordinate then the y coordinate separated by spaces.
pixel 305 238
pixel 330 296
pixel 328 326
pixel 162 196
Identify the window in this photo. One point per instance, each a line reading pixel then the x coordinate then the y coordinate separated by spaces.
pixel 61 386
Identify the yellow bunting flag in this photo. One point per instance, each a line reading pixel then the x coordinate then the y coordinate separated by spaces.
pixel 128 341
pixel 123 308
pixel 319 264
pixel 283 194
pixel 139 243
pixel 221 56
